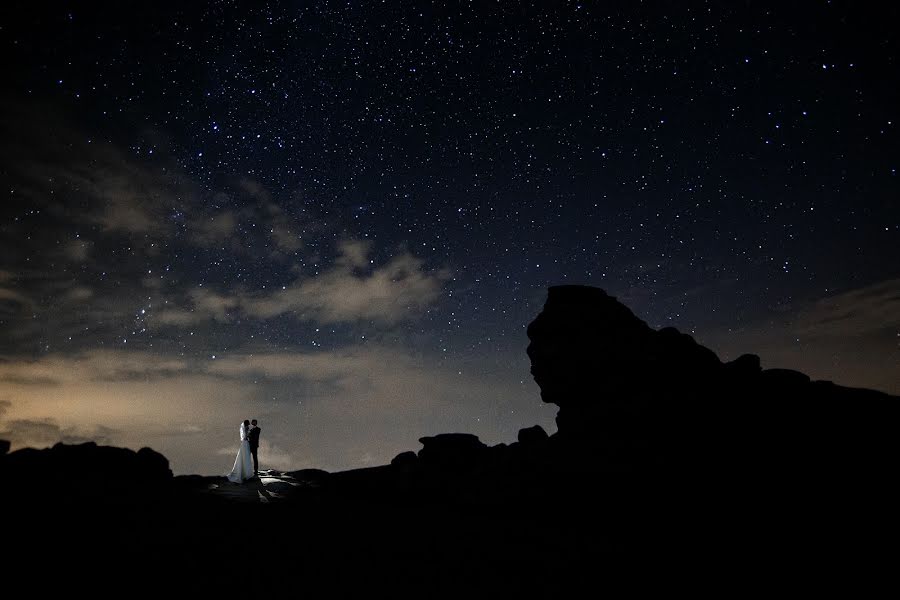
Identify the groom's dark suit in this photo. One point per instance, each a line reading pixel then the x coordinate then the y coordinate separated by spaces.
pixel 254 446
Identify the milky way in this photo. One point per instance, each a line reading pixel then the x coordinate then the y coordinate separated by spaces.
pixel 339 218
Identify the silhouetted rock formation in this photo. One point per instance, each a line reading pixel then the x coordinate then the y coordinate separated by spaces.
pixel 451 451
pixel 87 464
pixel 635 398
pixel 405 459
pixel 4 447
pixel 663 453
pixel 531 436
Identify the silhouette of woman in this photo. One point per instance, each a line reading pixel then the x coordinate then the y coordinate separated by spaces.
pixel 243 463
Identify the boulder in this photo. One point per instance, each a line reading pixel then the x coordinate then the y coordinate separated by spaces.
pixel 532 436
pixel 451 451
pixel 405 459
pixel 631 397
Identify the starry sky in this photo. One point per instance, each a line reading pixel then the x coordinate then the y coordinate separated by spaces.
pixel 340 217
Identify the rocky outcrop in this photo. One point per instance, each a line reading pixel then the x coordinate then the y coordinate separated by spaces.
pixel 532 436
pixel 405 460
pixel 451 451
pixel 630 396
pixel 605 368
pixel 87 462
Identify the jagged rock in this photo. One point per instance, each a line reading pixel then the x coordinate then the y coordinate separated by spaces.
pixel 612 376
pixel 451 451
pixel 531 436
pixel 4 447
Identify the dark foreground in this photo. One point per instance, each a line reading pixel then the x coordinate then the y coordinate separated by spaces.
pixel 670 471
pixel 382 531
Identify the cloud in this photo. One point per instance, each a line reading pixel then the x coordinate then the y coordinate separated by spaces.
pixel 281 227
pixel 849 338
pixel 79 293
pixel 176 317
pixel 77 251
pixel 854 313
pixel 47 432
pixel 12 301
pixel 205 305
pixel 97 365
pixel 346 292
pixel 354 253
pixel 254 190
pixel 285 239
pixel 215 229
pixel 337 366
pixel 126 196
pixel 394 292
pixel 212 304
pixel 103 185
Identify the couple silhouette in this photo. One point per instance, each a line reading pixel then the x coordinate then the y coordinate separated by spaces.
pixel 243 468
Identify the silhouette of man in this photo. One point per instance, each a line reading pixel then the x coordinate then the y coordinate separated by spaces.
pixel 254 444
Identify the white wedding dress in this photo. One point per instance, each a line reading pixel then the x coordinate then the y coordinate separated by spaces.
pixel 243 464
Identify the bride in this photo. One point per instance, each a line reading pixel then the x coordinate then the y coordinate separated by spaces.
pixel 243 464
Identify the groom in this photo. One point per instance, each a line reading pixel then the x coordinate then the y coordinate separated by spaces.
pixel 254 444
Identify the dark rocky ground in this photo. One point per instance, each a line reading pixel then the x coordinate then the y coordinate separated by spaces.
pixel 670 470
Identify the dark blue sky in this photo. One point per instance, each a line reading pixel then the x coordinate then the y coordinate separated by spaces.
pixel 397 184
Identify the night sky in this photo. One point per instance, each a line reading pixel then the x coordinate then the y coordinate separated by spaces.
pixel 340 217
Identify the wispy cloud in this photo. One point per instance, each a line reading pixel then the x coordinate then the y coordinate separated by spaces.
pixel 394 292
pixel 77 250
pixel 12 301
pixel 214 229
pixel 111 189
pixel 97 365
pixel 854 313
pixel 46 432
pixel 285 239
pixel 849 338
pixel 350 291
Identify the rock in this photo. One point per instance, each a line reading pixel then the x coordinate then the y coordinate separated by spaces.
pixel 88 461
pixel 607 370
pixel 405 459
pixel 313 477
pixel 152 464
pixel 744 366
pixel 634 398
pixel 4 447
pixel 451 451
pixel 531 436
pixel 785 378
